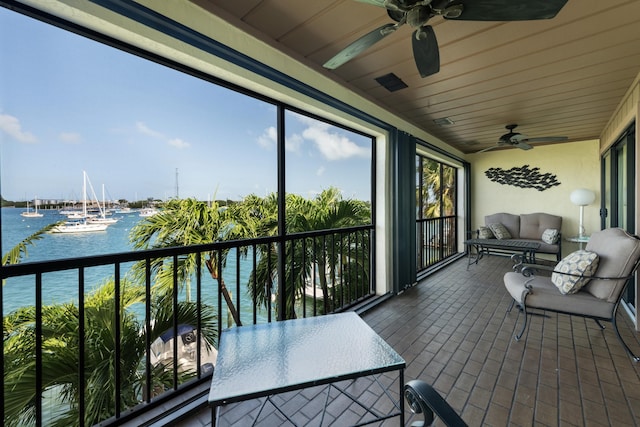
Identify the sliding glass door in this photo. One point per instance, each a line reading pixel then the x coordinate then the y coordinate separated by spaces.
pixel 618 191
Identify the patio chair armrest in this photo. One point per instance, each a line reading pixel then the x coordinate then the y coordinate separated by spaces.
pixel 424 399
pixel 529 270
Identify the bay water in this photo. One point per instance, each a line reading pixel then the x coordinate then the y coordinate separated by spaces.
pixel 61 287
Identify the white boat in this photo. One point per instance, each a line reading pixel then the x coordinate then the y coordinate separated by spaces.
pixel 30 214
pixel 102 219
pixel 83 225
pixel 147 212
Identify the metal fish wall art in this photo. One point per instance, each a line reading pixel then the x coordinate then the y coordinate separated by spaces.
pixel 523 177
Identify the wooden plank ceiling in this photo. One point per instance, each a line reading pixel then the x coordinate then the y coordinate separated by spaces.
pixel 559 77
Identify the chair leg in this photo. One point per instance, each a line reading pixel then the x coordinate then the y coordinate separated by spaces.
pixel 513 302
pixel 524 324
pixel 523 307
pixel 624 344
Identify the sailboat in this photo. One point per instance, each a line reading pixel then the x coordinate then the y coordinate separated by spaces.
pixel 35 213
pixel 102 219
pixel 82 225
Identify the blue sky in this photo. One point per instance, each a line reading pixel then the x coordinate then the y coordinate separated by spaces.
pixel 69 104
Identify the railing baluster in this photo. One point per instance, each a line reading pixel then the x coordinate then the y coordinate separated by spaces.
pixel 118 338
pixel 81 348
pixel 254 263
pixel 38 385
pixel 175 322
pixel 199 311
pixel 147 325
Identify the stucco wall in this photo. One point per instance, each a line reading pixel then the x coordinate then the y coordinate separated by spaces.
pixel 576 165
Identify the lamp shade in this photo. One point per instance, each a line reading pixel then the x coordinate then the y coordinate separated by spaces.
pixel 582 197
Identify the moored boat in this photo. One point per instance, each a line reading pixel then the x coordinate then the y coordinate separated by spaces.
pixel 32 214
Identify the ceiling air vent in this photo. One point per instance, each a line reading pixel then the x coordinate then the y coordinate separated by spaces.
pixel 444 121
pixel 391 82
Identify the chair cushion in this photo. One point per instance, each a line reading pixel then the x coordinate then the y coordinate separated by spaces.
pixel 485 233
pixel 550 236
pixel 544 295
pixel 577 264
pixel 500 231
pixel 618 251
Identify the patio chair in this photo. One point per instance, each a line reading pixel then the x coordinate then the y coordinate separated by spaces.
pixel 587 283
pixel 423 399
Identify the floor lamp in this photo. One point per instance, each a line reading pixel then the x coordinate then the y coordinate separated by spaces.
pixel 582 197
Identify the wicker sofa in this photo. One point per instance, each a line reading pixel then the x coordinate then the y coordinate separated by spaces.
pixel 537 227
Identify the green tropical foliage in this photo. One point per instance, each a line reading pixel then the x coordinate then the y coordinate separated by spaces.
pixel 328 258
pixel 436 191
pixel 181 222
pixel 19 251
pixel 61 348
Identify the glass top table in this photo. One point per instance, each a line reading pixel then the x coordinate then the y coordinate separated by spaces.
pixel 263 360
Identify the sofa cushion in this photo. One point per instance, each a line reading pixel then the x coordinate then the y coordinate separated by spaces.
pixel 550 236
pixel 500 231
pixel 618 251
pixel 577 264
pixel 510 221
pixel 532 226
pixel 485 233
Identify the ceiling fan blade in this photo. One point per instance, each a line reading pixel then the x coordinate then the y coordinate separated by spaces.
pixel 545 139
pixel 523 146
pixel 359 46
pixel 425 51
pixel 487 149
pixel 507 10
pixel 373 2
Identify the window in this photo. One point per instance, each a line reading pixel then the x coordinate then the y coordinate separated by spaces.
pixel 436 188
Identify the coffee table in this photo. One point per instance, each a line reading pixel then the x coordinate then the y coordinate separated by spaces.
pixel 263 360
pixel 526 248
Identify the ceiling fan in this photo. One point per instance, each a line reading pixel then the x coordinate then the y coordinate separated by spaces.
pixel 417 13
pixel 517 140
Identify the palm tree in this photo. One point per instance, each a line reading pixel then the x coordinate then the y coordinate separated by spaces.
pixel 181 222
pixel 61 349
pixel 61 343
pixel 438 186
pixel 15 255
pixel 301 257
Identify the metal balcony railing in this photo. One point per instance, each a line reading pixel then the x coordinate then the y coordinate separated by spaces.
pixel 122 344
pixel 436 240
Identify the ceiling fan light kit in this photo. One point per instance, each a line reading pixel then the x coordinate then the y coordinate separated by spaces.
pixel 416 13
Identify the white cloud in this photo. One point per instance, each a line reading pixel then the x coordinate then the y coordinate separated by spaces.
pixel 11 126
pixel 320 171
pixel 70 137
pixel 174 142
pixel 293 143
pixel 145 130
pixel 178 143
pixel 268 138
pixel 331 145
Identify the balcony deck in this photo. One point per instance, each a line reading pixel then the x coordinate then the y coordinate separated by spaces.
pixel 453 331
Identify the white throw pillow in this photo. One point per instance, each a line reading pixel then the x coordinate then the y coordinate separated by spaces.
pixel 577 265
